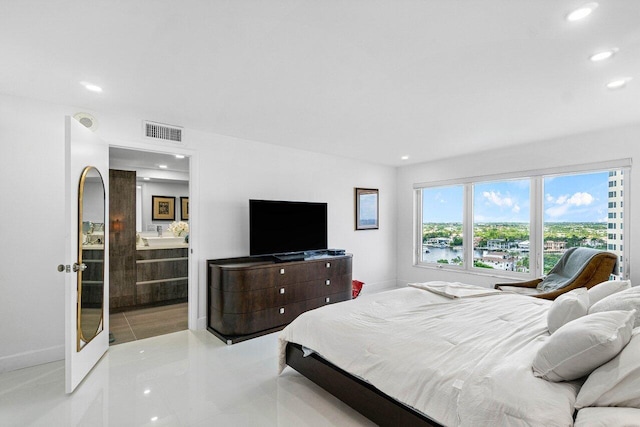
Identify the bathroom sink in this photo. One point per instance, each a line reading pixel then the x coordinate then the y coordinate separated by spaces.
pixel 157 242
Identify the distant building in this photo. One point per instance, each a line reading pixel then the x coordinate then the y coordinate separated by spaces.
pixel 554 246
pixel 438 242
pixel 615 230
pixel 499 260
pixel 493 244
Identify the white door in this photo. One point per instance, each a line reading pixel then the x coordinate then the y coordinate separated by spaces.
pixel 83 148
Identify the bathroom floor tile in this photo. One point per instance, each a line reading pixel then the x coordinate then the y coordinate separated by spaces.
pixel 149 322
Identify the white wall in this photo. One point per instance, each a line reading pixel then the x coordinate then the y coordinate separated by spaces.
pixel 227 173
pixel 32 229
pixel 612 144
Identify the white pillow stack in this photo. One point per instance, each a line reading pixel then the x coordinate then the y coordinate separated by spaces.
pixel 607 417
pixel 616 383
pixel 604 289
pixel 601 343
pixel 567 307
pixel 582 345
pixel 627 299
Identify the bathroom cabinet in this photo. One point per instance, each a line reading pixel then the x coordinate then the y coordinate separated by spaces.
pixel 161 275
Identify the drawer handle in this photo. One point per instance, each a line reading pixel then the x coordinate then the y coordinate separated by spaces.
pixel 327 299
pixel 327 282
pixel 282 290
pixel 281 310
pixel 328 265
pixel 282 271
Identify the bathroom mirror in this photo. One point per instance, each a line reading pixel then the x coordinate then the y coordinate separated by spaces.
pixel 91 217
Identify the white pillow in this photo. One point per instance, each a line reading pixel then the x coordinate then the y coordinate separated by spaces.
pixel 624 300
pixel 582 345
pixel 616 383
pixel 604 289
pixel 608 417
pixel 567 307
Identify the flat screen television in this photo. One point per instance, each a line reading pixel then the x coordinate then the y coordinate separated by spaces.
pixel 280 227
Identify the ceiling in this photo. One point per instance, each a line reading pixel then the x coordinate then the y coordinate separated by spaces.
pixel 147 165
pixel 369 79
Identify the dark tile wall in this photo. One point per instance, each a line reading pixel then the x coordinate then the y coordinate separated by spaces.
pixel 122 238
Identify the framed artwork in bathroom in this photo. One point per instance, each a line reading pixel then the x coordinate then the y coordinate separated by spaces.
pixel 163 207
pixel 184 208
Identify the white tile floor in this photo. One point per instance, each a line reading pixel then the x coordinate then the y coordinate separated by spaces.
pixel 188 378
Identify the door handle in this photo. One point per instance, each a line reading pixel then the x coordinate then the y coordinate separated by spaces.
pixel 67 268
pixel 79 267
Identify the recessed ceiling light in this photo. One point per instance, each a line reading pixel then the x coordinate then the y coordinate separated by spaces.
pixel 618 83
pixel 91 87
pixel 582 12
pixel 163 166
pixel 146 178
pixel 147 391
pixel 179 156
pixel 605 54
pixel 404 158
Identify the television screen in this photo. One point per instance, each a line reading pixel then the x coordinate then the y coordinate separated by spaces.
pixel 278 227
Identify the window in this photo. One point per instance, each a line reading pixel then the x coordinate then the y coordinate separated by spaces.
pixel 501 225
pixel 514 226
pixel 574 206
pixel 441 234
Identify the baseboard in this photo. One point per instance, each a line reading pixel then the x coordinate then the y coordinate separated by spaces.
pixel 373 288
pixel 31 358
pixel 201 323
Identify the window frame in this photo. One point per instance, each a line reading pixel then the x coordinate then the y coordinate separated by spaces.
pixel 536 216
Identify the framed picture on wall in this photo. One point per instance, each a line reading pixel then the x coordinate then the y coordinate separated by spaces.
pixel 184 208
pixel 163 207
pixel 367 209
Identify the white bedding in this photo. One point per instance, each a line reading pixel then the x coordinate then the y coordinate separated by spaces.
pixel 463 362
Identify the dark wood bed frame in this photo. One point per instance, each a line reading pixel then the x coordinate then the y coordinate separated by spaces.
pixel 360 395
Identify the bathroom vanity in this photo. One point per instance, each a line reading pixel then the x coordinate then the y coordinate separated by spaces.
pixel 162 273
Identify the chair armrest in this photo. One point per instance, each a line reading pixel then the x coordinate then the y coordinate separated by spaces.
pixel 528 284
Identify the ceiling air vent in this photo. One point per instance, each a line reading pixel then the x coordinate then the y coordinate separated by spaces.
pixel 164 132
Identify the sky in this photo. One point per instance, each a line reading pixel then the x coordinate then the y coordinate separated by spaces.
pixel 567 198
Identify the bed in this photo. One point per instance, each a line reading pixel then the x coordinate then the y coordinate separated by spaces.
pixel 411 356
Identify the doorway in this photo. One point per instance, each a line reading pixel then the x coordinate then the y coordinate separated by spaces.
pixel 149 246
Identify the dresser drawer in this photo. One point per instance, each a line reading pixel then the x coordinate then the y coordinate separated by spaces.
pixel 260 277
pixel 260 299
pixel 250 323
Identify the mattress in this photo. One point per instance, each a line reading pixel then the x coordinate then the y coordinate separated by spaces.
pixel 460 361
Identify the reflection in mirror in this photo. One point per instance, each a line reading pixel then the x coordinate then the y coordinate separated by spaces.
pixel 91 217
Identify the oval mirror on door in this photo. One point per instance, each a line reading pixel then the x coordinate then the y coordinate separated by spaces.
pixel 91 217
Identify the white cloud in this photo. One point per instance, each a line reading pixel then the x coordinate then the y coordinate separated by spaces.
pixel 581 199
pixel 557 211
pixel 566 202
pixel 497 199
pixel 516 209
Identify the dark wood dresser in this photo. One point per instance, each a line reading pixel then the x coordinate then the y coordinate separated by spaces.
pixel 252 296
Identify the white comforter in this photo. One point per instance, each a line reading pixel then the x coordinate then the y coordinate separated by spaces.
pixel 462 362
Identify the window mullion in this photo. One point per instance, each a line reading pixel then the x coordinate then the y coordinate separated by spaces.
pixel 536 238
pixel 467 226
